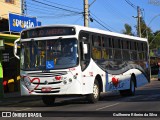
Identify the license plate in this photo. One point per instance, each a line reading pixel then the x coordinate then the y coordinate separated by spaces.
pixel 46 89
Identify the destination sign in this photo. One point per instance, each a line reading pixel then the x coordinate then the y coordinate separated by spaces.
pixel 47 31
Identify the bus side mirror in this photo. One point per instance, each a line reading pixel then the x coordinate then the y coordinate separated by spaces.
pixel 85 48
pixel 15 48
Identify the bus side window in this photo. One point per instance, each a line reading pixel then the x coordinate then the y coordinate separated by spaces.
pixel 135 45
pixel 145 51
pixel 117 55
pixel 105 54
pixel 128 45
pixel 96 41
pixel 140 51
pixel 110 42
pixel 96 47
pixel 117 43
pixel 99 41
pixel 85 57
pixel 133 51
pixel 125 50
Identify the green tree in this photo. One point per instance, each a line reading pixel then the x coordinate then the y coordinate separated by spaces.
pixel 128 29
pixel 145 30
pixel 155 40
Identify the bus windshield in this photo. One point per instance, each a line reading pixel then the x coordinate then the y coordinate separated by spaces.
pixel 49 54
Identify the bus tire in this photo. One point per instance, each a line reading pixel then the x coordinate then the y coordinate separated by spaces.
pixel 94 97
pixel 48 100
pixel 131 91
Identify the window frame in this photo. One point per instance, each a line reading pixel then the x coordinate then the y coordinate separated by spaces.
pixel 10 1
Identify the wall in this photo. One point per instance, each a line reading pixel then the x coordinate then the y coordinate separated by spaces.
pixel 5 8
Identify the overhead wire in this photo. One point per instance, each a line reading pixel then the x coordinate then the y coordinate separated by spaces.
pixel 131 4
pixel 122 17
pixel 50 13
pixel 63 5
pixel 36 11
pixel 48 10
pixel 40 9
pixel 104 24
pixel 94 17
pixel 64 15
pixel 60 8
pixel 135 7
pixel 57 16
pixel 101 24
pixel 45 10
pixel 81 17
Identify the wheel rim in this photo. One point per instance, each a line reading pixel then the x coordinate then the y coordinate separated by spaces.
pixel 95 91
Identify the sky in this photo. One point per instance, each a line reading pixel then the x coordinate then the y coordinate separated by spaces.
pixel 106 14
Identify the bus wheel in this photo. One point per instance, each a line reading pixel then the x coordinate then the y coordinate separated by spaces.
pixel 94 97
pixel 131 91
pixel 48 100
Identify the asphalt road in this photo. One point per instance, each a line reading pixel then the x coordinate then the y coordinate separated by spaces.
pixel 146 100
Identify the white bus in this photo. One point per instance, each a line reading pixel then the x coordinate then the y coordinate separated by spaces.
pixel 62 60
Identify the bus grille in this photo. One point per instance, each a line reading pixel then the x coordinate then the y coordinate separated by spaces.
pixel 47 74
pixel 47 83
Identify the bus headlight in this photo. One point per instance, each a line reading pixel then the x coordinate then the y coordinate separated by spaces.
pixel 70 80
pixel 65 82
pixel 27 83
pixel 75 76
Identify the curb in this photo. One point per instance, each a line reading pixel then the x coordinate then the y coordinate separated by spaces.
pixel 154 79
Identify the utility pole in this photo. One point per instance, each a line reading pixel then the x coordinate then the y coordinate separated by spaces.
pixel 86 14
pixel 139 21
pixel 22 7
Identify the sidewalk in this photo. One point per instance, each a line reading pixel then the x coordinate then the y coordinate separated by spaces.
pixel 154 77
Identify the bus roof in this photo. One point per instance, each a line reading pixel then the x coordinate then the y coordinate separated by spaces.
pixel 109 33
pixel 95 30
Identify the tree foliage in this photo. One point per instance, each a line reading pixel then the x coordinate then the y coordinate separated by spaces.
pixel 146 32
pixel 128 29
pixel 155 41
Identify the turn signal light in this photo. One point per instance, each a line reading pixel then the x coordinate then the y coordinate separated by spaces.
pixel 58 77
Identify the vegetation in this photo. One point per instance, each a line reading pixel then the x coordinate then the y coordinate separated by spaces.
pixel 128 29
pixel 146 32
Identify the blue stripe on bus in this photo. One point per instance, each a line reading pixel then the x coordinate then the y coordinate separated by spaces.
pixel 106 81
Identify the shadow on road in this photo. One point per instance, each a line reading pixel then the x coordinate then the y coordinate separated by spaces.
pixel 147 93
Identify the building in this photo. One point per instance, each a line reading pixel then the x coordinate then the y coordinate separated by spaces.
pixel 7 6
pixel 9 65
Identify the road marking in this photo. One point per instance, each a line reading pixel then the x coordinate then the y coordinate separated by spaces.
pixel 23 109
pixel 107 106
